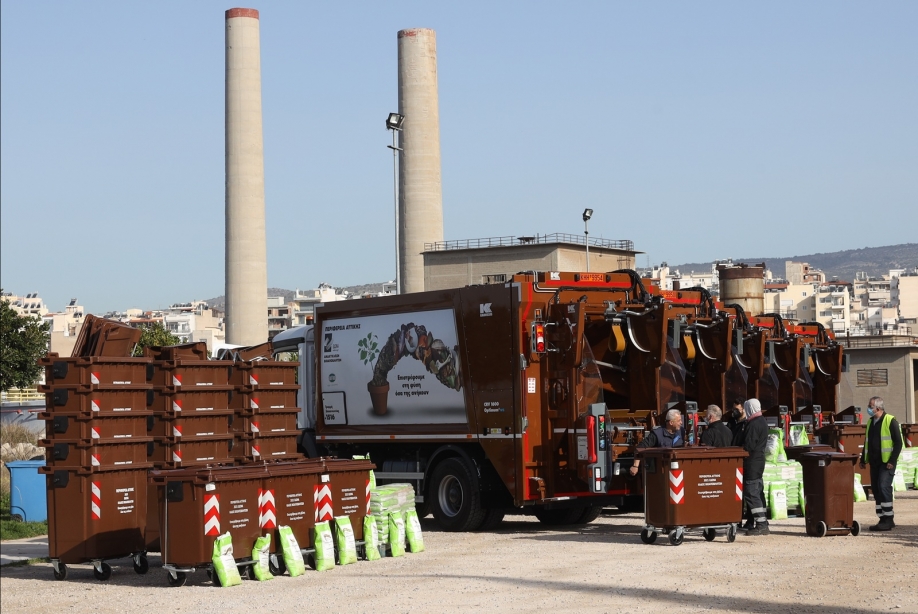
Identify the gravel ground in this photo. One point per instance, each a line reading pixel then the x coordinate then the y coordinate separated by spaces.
pixel 602 567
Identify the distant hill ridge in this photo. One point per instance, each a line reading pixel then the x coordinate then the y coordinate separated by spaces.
pixel 875 261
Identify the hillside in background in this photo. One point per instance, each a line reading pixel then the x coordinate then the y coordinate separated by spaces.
pixel 875 261
pixel 220 301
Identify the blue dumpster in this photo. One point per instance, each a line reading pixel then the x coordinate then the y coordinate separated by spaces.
pixel 28 493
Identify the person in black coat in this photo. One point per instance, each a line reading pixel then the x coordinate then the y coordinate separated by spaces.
pixel 753 438
pixel 717 434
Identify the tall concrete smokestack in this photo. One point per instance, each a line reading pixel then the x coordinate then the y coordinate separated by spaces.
pixel 246 254
pixel 420 193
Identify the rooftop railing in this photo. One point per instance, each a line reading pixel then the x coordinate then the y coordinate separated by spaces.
pixel 509 241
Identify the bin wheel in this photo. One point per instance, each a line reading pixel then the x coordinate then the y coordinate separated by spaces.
pixel 61 573
pixel 178 580
pixel 648 537
pixel 279 569
pixel 103 575
pixel 821 529
pixel 676 537
pixel 731 533
pixel 709 534
pixel 141 565
pixel 855 528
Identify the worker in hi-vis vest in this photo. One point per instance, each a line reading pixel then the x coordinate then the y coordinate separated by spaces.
pixel 881 450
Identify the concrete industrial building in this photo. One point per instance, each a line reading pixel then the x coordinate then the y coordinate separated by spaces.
pixel 883 366
pixel 420 192
pixel 453 264
pixel 246 253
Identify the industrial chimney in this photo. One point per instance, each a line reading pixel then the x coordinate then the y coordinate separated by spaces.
pixel 246 255
pixel 420 193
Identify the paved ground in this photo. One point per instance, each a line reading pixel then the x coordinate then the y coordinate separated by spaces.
pixel 23 549
pixel 523 566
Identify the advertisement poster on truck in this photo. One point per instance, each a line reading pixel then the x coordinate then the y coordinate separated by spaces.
pixel 392 369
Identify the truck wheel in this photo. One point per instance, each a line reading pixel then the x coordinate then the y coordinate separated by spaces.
pixel 563 516
pixel 455 498
pixel 492 520
pixel 423 509
pixel 590 513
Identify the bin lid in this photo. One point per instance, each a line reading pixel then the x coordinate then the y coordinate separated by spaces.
pixel 845 428
pixel 836 456
pixel 695 452
pixel 204 475
pixel 25 464
pixel 347 464
pixel 308 466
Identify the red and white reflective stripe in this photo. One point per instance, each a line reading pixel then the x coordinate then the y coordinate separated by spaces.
pixel 255 427
pixel 841 445
pixel 322 500
pixel 96 460
pixel 176 405
pixel 96 405
pixel 739 484
pixel 677 486
pixel 176 456
pixel 96 432
pixel 253 379
pixel 267 513
pixel 95 377
pixel 176 430
pixel 368 497
pixel 253 404
pixel 212 514
pixel 96 501
pixel 176 379
pixel 255 451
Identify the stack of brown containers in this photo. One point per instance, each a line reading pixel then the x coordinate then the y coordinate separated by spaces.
pixel 96 450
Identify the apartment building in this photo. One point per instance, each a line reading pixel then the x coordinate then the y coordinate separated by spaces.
pixel 792 301
pixel 305 301
pixel 194 321
pixel 65 327
pixel 29 305
pixel 833 307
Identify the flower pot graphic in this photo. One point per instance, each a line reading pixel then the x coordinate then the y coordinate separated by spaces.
pixel 379 396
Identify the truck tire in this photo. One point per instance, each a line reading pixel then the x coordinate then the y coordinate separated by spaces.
pixel 455 497
pixel 559 517
pixel 492 519
pixel 590 513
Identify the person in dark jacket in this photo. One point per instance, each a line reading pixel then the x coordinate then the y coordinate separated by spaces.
pixel 753 438
pixel 881 449
pixel 717 434
pixel 670 435
pixel 735 418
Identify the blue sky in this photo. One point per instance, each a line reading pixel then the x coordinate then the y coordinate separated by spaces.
pixel 698 130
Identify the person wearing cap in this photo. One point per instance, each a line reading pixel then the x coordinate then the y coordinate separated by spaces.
pixel 717 434
pixel 670 435
pixel 753 438
pixel 881 450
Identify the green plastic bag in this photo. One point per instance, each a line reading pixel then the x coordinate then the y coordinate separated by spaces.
pixel 325 547
pixel 798 436
pixel 413 530
pixel 260 554
pixel 916 477
pixel 371 538
pixel 293 557
pixel 801 499
pixel 224 563
pixel 372 474
pixel 777 500
pixel 397 534
pixel 859 494
pixel 899 481
pixel 347 547
pixel 774 446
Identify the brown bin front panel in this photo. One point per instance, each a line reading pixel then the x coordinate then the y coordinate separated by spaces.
pixel 910 435
pixel 265 399
pixel 188 425
pixel 199 505
pixel 174 452
pixel 71 426
pixel 795 452
pixel 266 446
pixel 98 515
pixel 292 489
pixel 828 485
pixel 88 454
pixel 176 400
pixel 268 422
pixel 692 487
pixel 849 439
pixel 265 374
pixel 69 371
pixel 350 490
pixel 190 373
pixel 94 399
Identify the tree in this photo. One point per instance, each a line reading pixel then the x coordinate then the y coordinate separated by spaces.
pixel 23 340
pixel 155 335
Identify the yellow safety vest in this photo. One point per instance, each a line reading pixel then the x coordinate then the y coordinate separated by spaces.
pixel 886 442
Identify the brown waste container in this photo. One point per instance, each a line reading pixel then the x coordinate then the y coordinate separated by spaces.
pixel 185 351
pixel 100 370
pixel 248 398
pixel 692 488
pixel 795 452
pixel 909 435
pixel 71 426
pixel 174 400
pixel 96 515
pixel 350 490
pixel 93 453
pixel 190 374
pixel 90 398
pixel 201 504
pixel 828 486
pixel 848 438
pixel 178 452
pixel 265 374
pixel 289 499
pixel 267 421
pixel 191 424
pixel 266 447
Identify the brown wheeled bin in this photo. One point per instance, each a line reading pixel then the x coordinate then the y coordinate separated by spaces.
pixel 259 447
pixel 265 374
pixel 350 490
pixel 177 452
pixel 95 516
pixel 692 488
pixel 97 399
pixel 188 424
pixel 795 452
pixel 189 374
pixel 99 370
pixel 91 453
pixel 88 425
pixel 910 435
pixel 199 505
pixel 848 438
pixel 828 485
pixel 290 499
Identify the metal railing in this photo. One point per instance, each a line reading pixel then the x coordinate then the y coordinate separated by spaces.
pixel 18 395
pixel 509 241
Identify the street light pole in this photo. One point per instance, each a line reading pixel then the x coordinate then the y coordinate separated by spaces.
pixel 587 214
pixel 394 123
